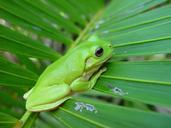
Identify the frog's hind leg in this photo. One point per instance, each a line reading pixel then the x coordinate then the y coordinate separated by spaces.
pixel 50 106
pixel 47 98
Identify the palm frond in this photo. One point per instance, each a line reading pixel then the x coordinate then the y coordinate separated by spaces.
pixel 135 28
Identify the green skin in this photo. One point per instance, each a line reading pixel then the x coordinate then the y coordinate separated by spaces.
pixel 76 71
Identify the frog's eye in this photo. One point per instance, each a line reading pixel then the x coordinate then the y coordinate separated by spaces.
pixel 99 52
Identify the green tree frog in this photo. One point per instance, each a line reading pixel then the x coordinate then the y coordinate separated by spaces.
pixel 76 71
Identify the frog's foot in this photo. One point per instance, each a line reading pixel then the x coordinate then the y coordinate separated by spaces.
pixel 96 76
pixel 102 70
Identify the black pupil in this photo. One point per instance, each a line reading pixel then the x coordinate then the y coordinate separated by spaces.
pixel 99 52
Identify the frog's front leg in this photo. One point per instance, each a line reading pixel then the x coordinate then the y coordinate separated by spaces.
pixel 80 84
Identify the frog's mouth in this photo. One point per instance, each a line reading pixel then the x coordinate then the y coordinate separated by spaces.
pixel 104 61
pixel 91 71
pixel 107 59
pixel 90 66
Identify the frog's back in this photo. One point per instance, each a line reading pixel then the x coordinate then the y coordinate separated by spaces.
pixel 64 70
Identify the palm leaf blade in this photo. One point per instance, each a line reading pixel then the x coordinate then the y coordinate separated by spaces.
pixel 117 116
pixel 148 82
pixel 7 121
pixel 13 75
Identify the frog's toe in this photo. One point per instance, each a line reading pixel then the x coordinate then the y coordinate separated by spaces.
pixel 103 69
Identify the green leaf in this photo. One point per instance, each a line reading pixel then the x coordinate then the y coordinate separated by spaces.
pixel 116 116
pixel 13 75
pixel 71 11
pixel 23 24
pixel 51 121
pixel 29 64
pixel 147 81
pixel 141 34
pixel 21 10
pixel 30 121
pixel 20 44
pixel 7 121
pixel 156 35
pixel 87 7
pixel 10 101
pixel 71 121
pixel 126 9
pixel 143 19
pixel 42 124
pixel 145 71
pixel 134 28
pixel 161 46
pixel 11 112
pixel 47 8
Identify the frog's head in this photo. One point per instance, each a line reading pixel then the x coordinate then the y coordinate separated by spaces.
pixel 99 52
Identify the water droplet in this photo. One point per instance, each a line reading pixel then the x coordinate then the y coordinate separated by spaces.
pixel 80 106
pixel 119 91
pixel 90 108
